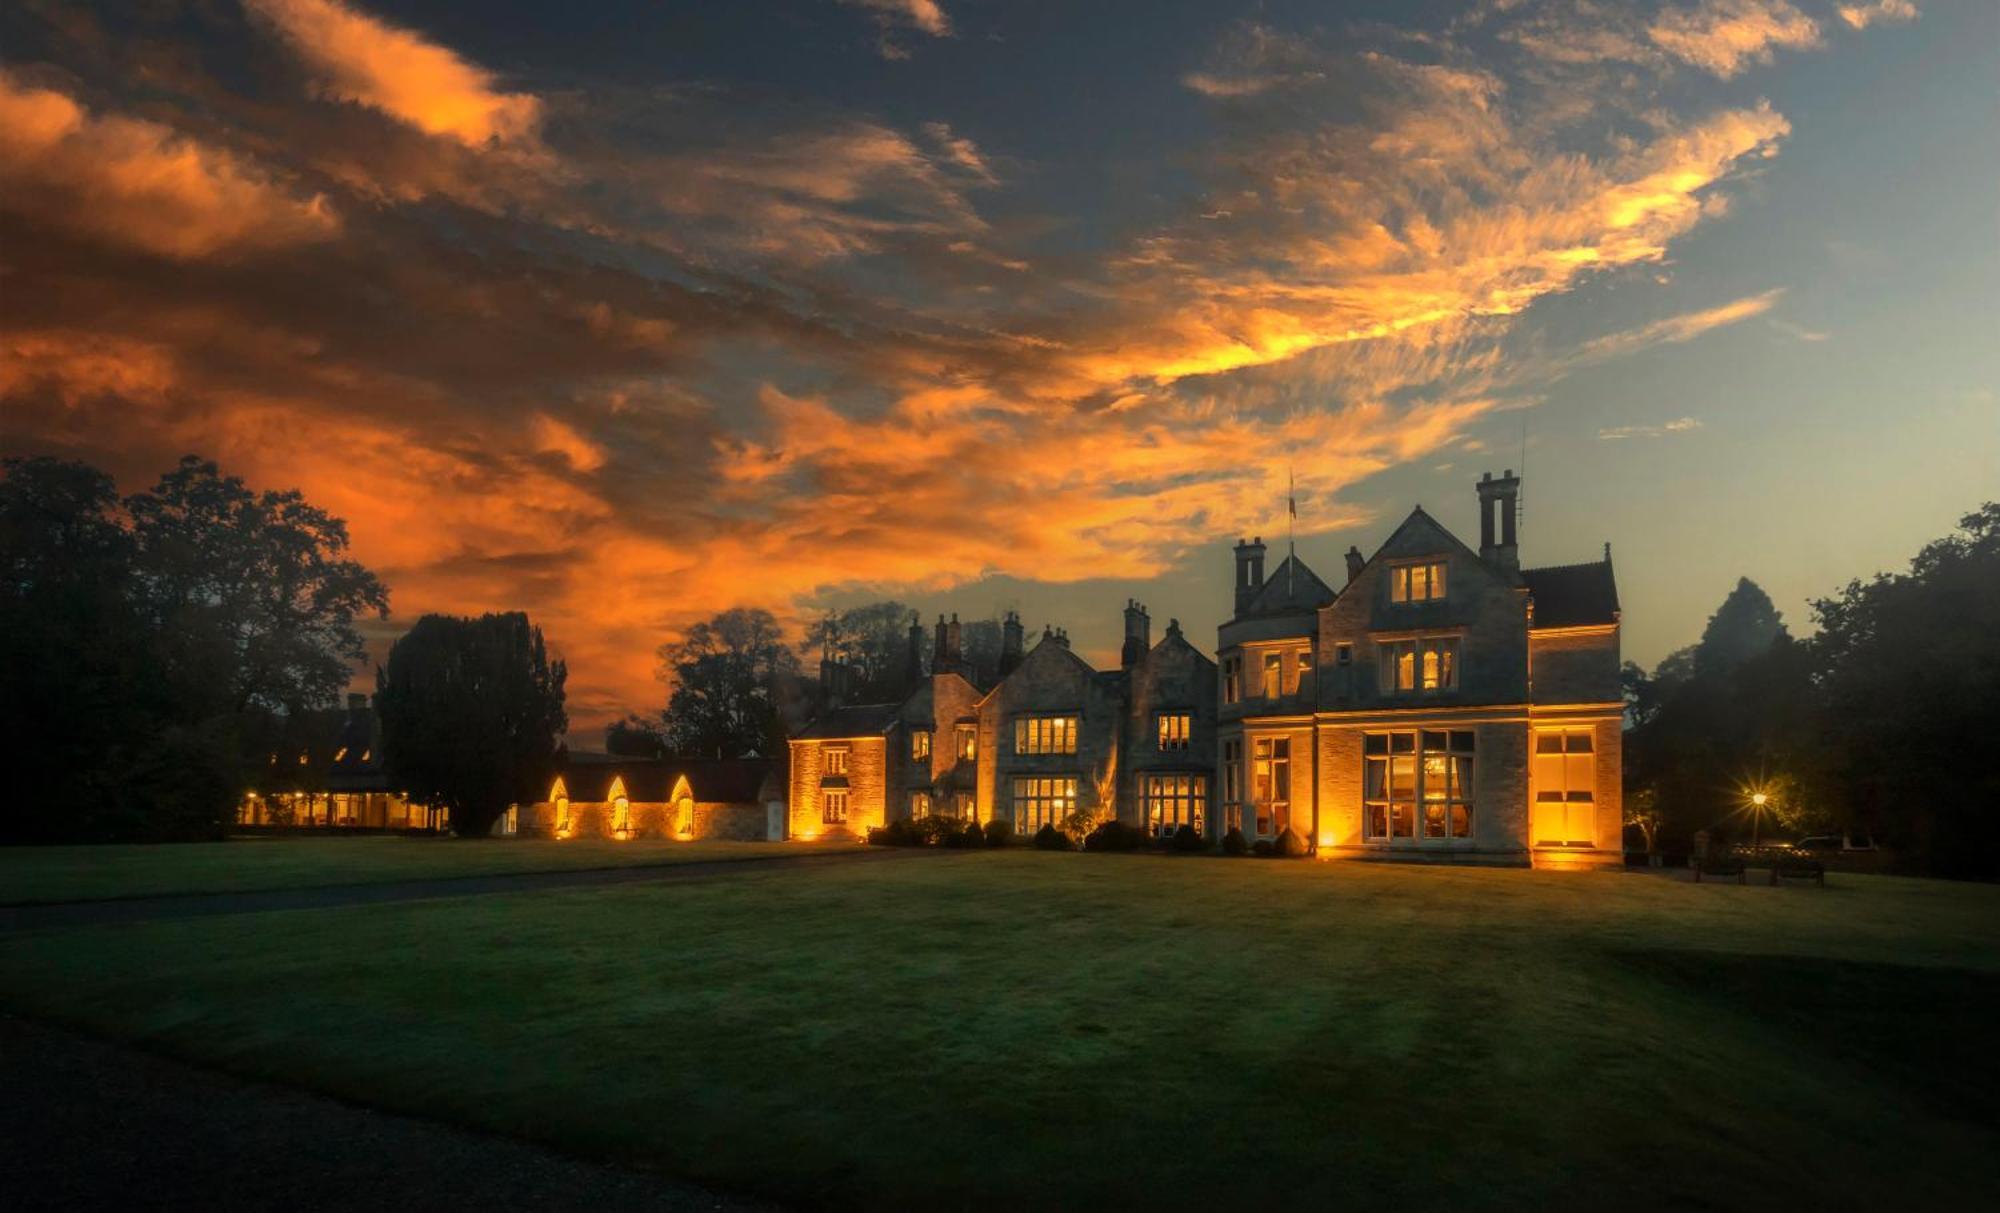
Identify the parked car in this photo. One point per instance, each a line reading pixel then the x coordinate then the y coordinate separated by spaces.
pixel 1822 843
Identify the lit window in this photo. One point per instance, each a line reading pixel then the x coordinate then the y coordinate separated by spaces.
pixel 1274 674
pixel 562 815
pixel 1271 784
pixel 1565 778
pixel 621 816
pixel 1420 665
pixel 1232 679
pixel 833 806
pixel 964 807
pixel 920 745
pixel 1173 801
pixel 340 754
pixel 965 740
pixel 920 805
pixel 1417 785
pixel 1173 730
pixel 1041 800
pixel 1045 735
pixel 836 760
pixel 1417 582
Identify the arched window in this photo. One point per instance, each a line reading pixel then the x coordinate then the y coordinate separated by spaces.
pixel 562 816
pixel 621 816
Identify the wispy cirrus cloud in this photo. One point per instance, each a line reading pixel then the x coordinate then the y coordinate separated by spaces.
pixel 1666 429
pixel 1674 330
pixel 1861 16
pixel 1725 37
pixel 893 16
pixel 362 59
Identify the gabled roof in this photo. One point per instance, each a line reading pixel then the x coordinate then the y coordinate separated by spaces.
pixel 1292 587
pixel 1573 595
pixel 852 720
pixel 652 780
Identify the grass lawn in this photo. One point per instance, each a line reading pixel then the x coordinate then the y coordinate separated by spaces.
pixel 1014 1028
pixel 41 874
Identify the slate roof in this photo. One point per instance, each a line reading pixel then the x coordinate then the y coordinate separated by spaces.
pixel 1573 595
pixel 1283 592
pixel 588 778
pixel 853 720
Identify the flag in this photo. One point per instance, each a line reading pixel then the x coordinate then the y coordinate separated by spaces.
pixel 1292 493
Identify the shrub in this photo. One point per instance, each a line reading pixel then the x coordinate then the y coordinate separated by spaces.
pixel 1291 845
pixel 1262 848
pixel 1114 836
pixel 1048 838
pixel 1233 843
pixel 954 838
pixel 974 835
pixel 932 830
pixel 1188 841
pixel 998 832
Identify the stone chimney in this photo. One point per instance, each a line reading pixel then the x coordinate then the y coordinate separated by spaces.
pixel 913 661
pixel 1138 634
pixel 1498 510
pixel 941 650
pixel 1249 571
pixel 1355 561
pixel 1010 643
pixel 956 640
pixel 833 679
pixel 1062 637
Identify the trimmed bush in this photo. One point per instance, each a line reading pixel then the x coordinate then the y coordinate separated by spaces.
pixel 1188 841
pixel 1048 838
pixel 1114 836
pixel 931 831
pixel 1233 843
pixel 955 839
pixel 998 832
pixel 972 837
pixel 1262 848
pixel 1291 845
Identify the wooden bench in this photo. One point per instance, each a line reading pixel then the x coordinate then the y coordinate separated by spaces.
pixel 1798 867
pixel 1723 866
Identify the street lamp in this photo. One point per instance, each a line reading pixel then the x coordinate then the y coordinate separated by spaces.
pixel 1757 818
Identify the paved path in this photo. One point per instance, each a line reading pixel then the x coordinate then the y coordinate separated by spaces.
pixel 90 1125
pixel 196 905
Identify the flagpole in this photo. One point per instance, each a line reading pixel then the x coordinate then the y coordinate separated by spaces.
pixel 1291 521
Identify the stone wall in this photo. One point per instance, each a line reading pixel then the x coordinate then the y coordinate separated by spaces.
pixel 867 772
pixel 1575 666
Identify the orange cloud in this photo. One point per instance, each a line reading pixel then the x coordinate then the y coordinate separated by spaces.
pixel 1726 36
pixel 367 61
pixel 139 184
pixel 1861 16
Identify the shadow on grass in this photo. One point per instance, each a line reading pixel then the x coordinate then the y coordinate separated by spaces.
pixel 1927 1031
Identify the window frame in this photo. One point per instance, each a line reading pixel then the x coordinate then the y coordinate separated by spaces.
pixel 920 745
pixel 833 806
pixel 965 742
pixel 834 759
pixel 1173 730
pixel 1391 817
pixel 1038 800
pixel 1171 799
pixel 1577 803
pixel 1405 582
pixel 1425 659
pixel 1046 733
pixel 1273 753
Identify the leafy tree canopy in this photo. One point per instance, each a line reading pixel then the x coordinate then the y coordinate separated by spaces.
pixel 472 713
pixel 725 674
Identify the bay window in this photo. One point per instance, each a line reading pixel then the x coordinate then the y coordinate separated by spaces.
pixel 1417 785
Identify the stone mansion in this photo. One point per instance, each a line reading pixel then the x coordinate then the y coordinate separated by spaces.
pixel 1442 703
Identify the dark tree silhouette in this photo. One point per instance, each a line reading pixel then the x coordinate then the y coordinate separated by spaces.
pixel 142 638
pixel 472 712
pixel 1743 627
pixel 873 638
pixel 634 738
pixel 725 674
pixel 1909 664
pixel 255 589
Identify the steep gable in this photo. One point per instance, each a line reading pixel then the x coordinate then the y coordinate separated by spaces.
pixel 1291 587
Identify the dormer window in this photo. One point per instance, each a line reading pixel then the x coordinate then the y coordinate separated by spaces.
pixel 1421 582
pixel 920 745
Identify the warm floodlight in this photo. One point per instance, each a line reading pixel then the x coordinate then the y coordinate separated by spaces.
pixel 1759 800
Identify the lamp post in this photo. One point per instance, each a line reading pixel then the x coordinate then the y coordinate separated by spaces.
pixel 1758 802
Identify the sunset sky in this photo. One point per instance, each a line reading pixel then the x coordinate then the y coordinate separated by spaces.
pixel 624 313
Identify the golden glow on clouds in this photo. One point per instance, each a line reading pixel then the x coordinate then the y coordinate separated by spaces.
pixel 1861 16
pixel 833 367
pixel 138 183
pixel 359 58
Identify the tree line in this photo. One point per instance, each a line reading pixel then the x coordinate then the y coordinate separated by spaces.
pixel 1880 723
pixel 164 649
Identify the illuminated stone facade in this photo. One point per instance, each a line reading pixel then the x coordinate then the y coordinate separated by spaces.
pixel 1442 704
pixel 1052 736
pixel 599 796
